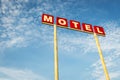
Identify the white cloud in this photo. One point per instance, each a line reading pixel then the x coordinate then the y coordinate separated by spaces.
pixel 7 20
pixel 76 41
pixel 15 41
pixel 16 74
pixel 20 25
pixel 9 8
pixel 5 79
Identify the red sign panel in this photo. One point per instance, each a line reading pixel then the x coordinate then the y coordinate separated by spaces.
pixel 48 19
pixel 75 25
pixel 61 22
pixel 99 30
pixel 87 27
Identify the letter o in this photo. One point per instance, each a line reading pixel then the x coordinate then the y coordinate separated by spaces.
pixel 62 21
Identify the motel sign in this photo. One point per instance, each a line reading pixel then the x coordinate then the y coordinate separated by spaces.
pixel 74 25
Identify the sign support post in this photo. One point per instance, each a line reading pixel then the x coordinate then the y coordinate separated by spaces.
pixel 56 74
pixel 101 57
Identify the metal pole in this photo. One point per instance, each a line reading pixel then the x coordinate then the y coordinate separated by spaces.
pixel 101 57
pixel 56 74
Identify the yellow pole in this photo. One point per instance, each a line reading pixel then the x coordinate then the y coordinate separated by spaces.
pixel 101 57
pixel 56 74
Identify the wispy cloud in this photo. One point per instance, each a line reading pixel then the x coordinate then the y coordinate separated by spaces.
pixel 72 42
pixel 16 74
pixel 18 26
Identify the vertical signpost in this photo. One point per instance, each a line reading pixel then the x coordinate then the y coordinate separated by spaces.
pixel 99 32
pixel 74 25
pixel 101 57
pixel 56 73
pixel 49 19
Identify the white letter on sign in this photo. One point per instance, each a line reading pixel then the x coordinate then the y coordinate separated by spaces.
pixel 75 24
pixel 88 28
pixel 98 29
pixel 48 19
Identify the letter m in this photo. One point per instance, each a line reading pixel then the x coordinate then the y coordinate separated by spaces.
pixel 47 19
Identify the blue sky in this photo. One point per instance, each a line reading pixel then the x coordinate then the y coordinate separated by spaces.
pixel 26 45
